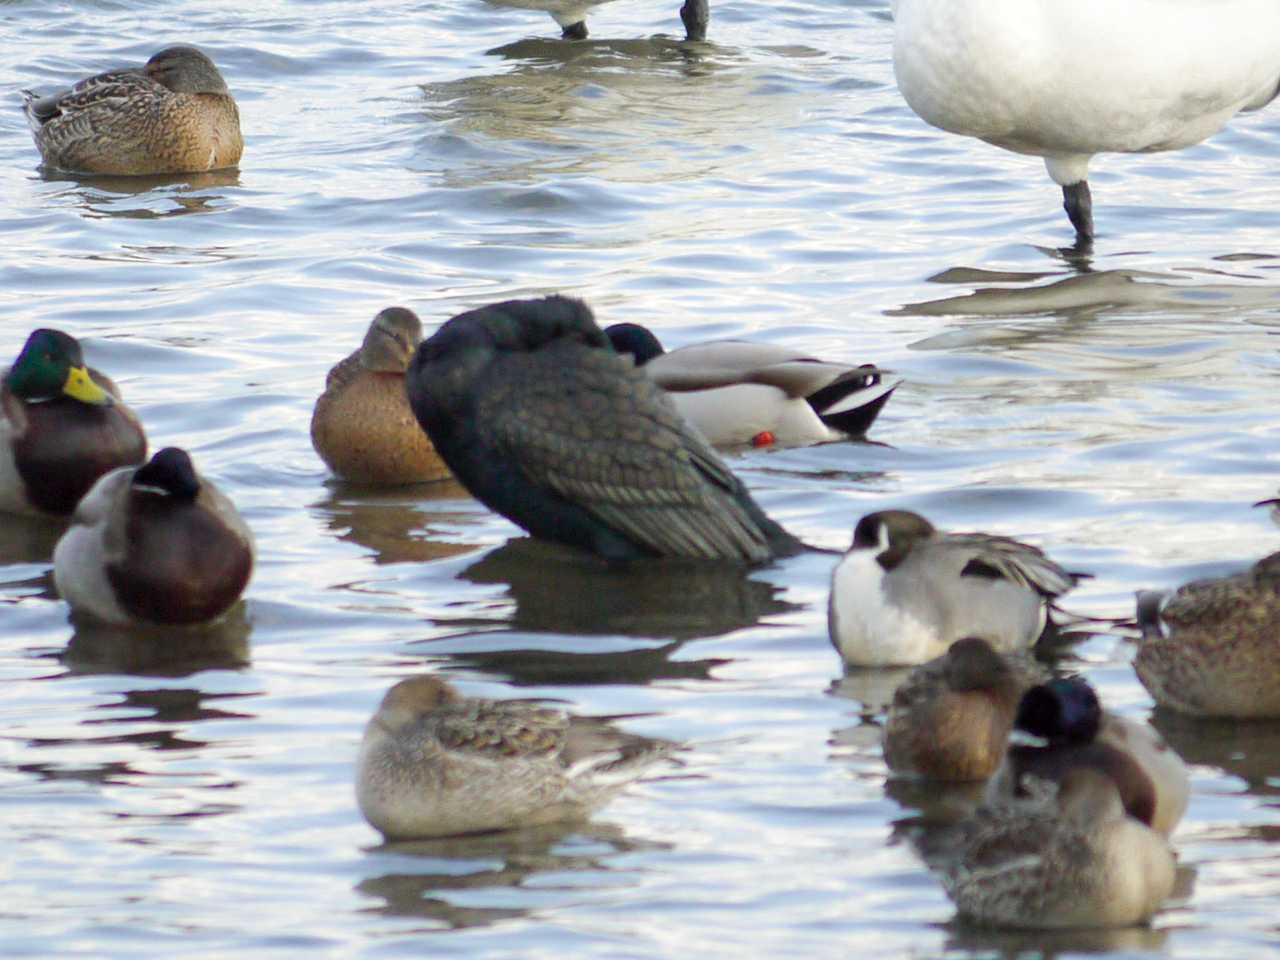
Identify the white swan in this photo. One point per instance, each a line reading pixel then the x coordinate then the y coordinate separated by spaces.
pixel 571 15
pixel 1065 80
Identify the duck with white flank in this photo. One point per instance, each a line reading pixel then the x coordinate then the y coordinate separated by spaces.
pixel 544 423
pixel 1065 81
pixel 904 592
pixel 434 763
pixel 740 393
pixel 156 544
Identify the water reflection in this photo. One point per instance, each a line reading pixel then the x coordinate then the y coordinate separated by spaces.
pixel 98 648
pixel 1248 749
pixel 576 854
pixel 1046 944
pixel 1084 295
pixel 637 666
pixel 560 590
pixel 150 197
pixel 391 523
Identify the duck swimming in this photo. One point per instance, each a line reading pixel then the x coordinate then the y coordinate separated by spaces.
pixel 362 426
pixel 62 426
pixel 1066 856
pixel 1211 648
pixel 1076 732
pixel 740 393
pixel 571 15
pixel 172 115
pixel 1065 81
pixel 539 418
pixel 155 544
pixel 904 592
pixel 434 763
pixel 950 719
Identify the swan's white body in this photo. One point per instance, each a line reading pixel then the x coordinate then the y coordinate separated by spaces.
pixel 565 12
pixel 1065 80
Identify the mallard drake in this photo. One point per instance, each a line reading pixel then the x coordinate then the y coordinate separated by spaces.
pixel 950 719
pixel 62 426
pixel 740 393
pixel 1074 730
pixel 434 763
pixel 1067 81
pixel 173 115
pixel 156 544
pixel 1066 856
pixel 904 591
pixel 543 422
pixel 362 426
pixel 1211 648
pixel 571 15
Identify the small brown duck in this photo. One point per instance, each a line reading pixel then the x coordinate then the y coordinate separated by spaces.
pixel 62 426
pixel 1212 647
pixel 362 425
pixel 173 115
pixel 156 544
pixel 1066 856
pixel 950 719
pixel 434 763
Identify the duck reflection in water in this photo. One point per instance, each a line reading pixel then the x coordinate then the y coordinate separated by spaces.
pixel 559 590
pixel 454 868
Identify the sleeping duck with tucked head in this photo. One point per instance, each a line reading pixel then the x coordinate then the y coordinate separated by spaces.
pixel 172 115
pixel 156 544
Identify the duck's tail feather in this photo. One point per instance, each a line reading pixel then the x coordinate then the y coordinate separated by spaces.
pixel 852 402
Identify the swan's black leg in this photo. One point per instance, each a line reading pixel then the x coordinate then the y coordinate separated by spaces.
pixel 695 14
pixel 1078 202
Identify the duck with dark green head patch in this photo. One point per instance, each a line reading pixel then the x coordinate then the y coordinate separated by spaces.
pixel 156 544
pixel 544 423
pixel 1073 731
pixel 62 426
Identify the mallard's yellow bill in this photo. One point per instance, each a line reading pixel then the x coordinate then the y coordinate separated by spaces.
pixel 80 386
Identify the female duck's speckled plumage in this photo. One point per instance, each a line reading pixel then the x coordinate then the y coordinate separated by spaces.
pixel 904 592
pixel 1067 80
pixel 156 544
pixel 434 763
pixel 1065 856
pixel 543 422
pixel 173 115
pixel 362 426
pixel 950 719
pixel 571 15
pixel 1212 647
pixel 740 393
pixel 62 426
pixel 1153 781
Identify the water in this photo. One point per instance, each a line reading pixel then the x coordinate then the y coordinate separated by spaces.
pixel 1117 410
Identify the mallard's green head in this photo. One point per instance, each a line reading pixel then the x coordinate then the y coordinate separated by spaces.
pixel 51 365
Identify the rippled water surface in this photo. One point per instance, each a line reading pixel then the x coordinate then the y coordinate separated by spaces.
pixel 1118 409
